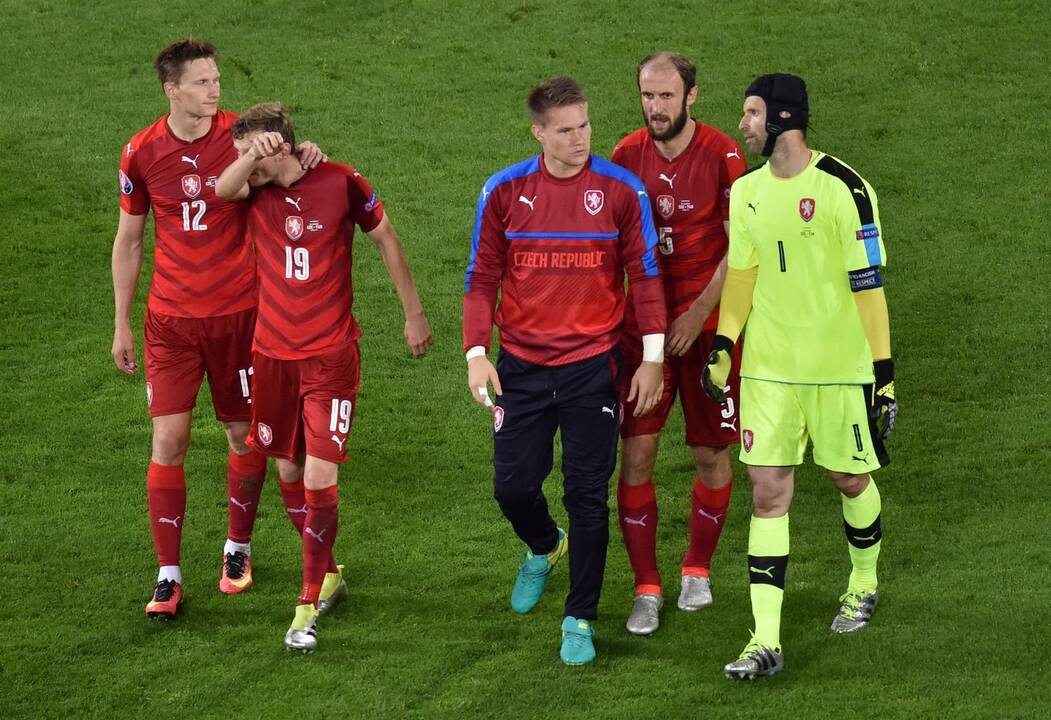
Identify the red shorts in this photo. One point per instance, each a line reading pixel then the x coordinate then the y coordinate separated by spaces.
pixel 179 351
pixel 708 423
pixel 305 406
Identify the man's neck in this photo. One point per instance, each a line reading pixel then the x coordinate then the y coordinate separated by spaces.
pixel 188 127
pixel 791 156
pixel 289 171
pixel 674 147
pixel 559 169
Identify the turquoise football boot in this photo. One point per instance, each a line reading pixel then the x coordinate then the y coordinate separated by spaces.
pixel 577 647
pixel 532 575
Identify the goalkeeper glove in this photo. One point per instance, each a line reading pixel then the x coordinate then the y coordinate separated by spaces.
pixel 884 407
pixel 717 369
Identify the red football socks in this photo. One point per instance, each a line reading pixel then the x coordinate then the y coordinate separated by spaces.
pixel 244 485
pixel 707 517
pixel 637 508
pixel 294 497
pixel 319 534
pixel 166 495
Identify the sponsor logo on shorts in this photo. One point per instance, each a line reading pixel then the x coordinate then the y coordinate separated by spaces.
pixel 806 209
pixel 665 205
pixel 594 201
pixel 149 394
pixel 748 437
pixel 265 434
pixel 126 185
pixel 498 418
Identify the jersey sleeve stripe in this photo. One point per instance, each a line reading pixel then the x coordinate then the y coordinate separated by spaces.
pixel 526 167
pixel 869 232
pixel 601 166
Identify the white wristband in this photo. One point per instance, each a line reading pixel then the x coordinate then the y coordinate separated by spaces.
pixel 476 351
pixel 653 347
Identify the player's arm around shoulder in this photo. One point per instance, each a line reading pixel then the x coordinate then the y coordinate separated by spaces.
pixel 126 264
pixel 417 327
pixel 232 184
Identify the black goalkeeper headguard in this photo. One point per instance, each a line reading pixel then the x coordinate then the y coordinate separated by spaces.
pixel 781 93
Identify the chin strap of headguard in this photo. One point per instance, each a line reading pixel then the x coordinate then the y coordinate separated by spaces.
pixel 781 93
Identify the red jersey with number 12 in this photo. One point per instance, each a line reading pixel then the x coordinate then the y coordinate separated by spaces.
pixel 202 266
pixel 691 199
pixel 303 235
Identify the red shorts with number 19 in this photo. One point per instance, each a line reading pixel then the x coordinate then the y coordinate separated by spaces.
pixel 305 406
pixel 708 423
pixel 180 350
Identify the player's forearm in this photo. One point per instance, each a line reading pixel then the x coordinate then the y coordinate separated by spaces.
pixel 735 301
pixel 400 274
pixel 126 264
pixel 233 182
pixel 872 309
pixel 479 309
pixel 709 297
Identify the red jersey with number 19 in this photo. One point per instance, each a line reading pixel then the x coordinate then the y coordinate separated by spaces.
pixel 202 265
pixel 691 200
pixel 302 235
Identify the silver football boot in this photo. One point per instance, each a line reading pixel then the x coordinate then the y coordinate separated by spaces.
pixel 757 660
pixel 645 615
pixel 696 593
pixel 302 634
pixel 855 611
pixel 334 598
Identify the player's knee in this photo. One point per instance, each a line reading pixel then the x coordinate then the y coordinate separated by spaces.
pixel 236 436
pixel 638 459
pixel 850 485
pixel 713 465
pixel 586 505
pixel 512 494
pixel 170 446
pixel 320 477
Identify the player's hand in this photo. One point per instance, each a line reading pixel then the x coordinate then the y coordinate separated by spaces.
pixel 418 334
pixel 717 369
pixel 481 374
pixel 884 406
pixel 684 331
pixel 647 384
pixel 310 155
pixel 124 350
pixel 266 145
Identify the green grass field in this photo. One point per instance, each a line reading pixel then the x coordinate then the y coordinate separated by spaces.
pixel 938 104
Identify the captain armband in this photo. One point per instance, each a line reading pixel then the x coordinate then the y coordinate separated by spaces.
pixel 865 279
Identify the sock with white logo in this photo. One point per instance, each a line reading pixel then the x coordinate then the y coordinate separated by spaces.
pixel 293 495
pixel 637 508
pixel 707 518
pixel 244 485
pixel 861 517
pixel 319 534
pixel 767 563
pixel 166 496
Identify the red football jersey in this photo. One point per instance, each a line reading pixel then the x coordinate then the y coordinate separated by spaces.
pixel 691 199
pixel 303 235
pixel 202 266
pixel 557 249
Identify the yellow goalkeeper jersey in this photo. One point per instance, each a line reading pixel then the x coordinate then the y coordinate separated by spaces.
pixel 805 234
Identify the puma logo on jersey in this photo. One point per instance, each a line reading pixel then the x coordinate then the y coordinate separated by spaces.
pixel 713 518
pixel 859 191
pixel 174 523
pixel 527 201
pixel 641 522
pixel 243 506
pixel 669 180
pixel 192 161
pixel 319 536
pixel 339 443
pixel 769 572
pixel 295 202
pixel 610 411
pixel 754 211
pixel 733 154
